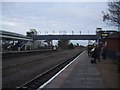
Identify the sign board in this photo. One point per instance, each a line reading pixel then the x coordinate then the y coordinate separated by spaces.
pixel 105 35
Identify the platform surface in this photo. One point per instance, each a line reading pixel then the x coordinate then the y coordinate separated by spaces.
pixel 79 74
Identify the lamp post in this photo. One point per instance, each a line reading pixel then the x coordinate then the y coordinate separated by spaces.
pixel 72 32
pixel 99 37
pixel 40 32
pixel 64 32
pixel 80 32
pixel 119 23
pixel 88 40
pixel 46 32
pixel 53 32
pixel 60 32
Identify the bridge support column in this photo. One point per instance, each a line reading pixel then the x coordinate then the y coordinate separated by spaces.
pixel 51 44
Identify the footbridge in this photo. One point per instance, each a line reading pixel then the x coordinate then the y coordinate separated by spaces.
pixel 15 36
pixel 67 37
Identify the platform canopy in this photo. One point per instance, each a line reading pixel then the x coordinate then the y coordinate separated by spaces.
pixel 13 36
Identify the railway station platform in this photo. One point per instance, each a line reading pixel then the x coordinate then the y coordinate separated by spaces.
pixel 80 73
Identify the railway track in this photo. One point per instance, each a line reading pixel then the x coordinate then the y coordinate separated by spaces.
pixel 44 77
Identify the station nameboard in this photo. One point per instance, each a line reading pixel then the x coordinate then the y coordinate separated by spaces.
pixel 105 35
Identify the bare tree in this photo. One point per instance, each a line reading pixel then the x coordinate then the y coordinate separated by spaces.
pixel 112 16
pixel 63 44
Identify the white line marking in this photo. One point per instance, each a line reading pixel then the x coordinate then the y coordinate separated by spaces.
pixel 42 86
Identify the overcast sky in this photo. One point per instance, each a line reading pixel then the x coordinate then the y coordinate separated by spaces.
pixel 20 17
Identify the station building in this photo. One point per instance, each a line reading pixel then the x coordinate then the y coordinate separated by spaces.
pixel 113 44
pixel 110 38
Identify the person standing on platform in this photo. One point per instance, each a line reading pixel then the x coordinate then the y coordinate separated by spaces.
pixel 99 52
pixel 104 52
pixel 89 48
pixel 96 53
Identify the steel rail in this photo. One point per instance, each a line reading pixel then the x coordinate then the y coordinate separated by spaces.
pixel 36 82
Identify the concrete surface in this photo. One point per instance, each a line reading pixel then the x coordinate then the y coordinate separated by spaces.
pixel 80 74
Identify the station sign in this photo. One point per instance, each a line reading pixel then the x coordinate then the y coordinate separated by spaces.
pixel 105 35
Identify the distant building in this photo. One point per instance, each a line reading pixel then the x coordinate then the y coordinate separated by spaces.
pixel 113 44
pixel 35 43
pixel 33 31
pixel 101 34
